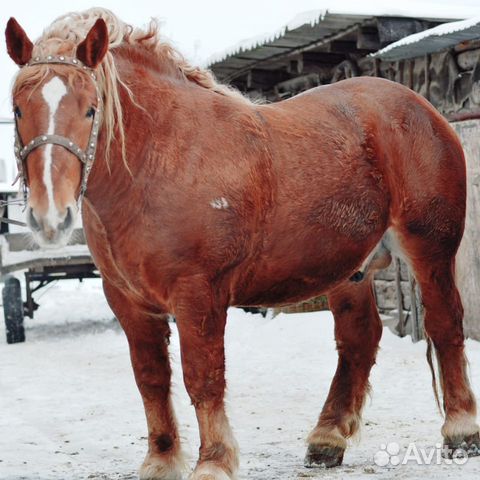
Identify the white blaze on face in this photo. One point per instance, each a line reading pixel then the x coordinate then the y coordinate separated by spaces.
pixel 53 92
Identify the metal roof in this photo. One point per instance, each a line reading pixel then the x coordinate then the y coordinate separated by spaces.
pixel 303 29
pixel 432 40
pixel 251 52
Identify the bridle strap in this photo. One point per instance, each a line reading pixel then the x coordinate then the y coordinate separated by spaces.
pixel 55 140
pixel 86 156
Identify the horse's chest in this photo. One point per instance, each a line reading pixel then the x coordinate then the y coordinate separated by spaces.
pixel 117 256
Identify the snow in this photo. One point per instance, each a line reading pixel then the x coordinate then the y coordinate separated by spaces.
pixel 438 31
pixel 70 408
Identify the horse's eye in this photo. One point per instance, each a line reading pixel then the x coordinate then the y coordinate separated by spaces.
pixel 90 112
pixel 17 112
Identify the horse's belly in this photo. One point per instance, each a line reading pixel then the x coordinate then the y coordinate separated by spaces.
pixel 314 243
pixel 288 291
pixel 268 287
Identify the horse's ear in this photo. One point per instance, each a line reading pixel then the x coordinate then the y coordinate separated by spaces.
pixel 92 50
pixel 19 46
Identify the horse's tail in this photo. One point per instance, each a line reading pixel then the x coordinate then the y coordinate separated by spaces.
pixel 434 375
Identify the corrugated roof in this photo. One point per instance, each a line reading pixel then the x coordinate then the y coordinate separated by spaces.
pixel 433 40
pixel 304 29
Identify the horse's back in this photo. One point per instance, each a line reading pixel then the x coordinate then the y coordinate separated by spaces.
pixel 369 127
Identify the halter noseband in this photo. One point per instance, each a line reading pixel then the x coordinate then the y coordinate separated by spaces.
pixel 86 156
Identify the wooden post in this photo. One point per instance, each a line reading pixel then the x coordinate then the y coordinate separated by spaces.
pixel 376 67
pixel 411 64
pixel 427 76
pixel 398 285
pixel 417 322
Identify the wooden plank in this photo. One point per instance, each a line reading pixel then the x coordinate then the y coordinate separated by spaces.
pixel 368 41
pixel 392 29
pixel 258 78
pixel 39 263
pixel 18 242
pixel 316 58
pixel 427 76
pixel 467 60
pixel 468 260
pixel 416 335
pixel 398 287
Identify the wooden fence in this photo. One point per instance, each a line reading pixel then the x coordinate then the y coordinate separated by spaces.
pixel 468 259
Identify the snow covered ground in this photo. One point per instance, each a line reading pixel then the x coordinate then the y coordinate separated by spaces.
pixel 69 408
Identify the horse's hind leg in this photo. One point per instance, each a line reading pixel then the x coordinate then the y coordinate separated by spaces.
pixel 358 330
pixel 444 325
pixel 428 215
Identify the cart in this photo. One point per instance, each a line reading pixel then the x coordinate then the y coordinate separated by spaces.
pixel 40 268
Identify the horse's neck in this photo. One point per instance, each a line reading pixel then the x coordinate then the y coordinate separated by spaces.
pixel 151 99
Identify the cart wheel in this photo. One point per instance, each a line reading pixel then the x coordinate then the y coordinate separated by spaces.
pixel 13 310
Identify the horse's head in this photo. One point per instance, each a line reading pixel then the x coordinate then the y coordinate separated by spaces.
pixel 55 107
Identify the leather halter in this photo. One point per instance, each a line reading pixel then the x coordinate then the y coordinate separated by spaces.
pixel 86 156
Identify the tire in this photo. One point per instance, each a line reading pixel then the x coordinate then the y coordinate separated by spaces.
pixel 13 310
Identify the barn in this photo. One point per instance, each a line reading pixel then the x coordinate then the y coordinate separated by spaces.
pixel 438 58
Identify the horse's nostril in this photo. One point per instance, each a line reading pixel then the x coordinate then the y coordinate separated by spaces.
pixel 67 223
pixel 33 221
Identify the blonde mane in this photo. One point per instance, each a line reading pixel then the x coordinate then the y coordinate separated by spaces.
pixel 67 31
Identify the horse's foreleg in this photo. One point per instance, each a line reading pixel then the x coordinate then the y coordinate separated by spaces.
pixel 201 325
pixel 357 332
pixel 148 338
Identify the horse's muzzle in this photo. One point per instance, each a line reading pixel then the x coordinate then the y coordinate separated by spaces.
pixel 51 232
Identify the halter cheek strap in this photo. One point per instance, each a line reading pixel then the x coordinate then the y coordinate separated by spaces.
pixel 86 156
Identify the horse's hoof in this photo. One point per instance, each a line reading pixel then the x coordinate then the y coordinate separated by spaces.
pixel 469 445
pixel 323 456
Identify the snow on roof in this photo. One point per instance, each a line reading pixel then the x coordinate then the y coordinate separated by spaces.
pixel 311 17
pixel 423 10
pixel 432 40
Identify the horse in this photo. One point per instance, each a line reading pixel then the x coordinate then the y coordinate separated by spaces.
pixel 194 198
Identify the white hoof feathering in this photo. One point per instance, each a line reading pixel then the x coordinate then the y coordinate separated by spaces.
pixel 208 471
pixel 159 469
pixel 460 425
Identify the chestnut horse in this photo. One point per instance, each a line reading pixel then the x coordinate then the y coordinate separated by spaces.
pixel 199 200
